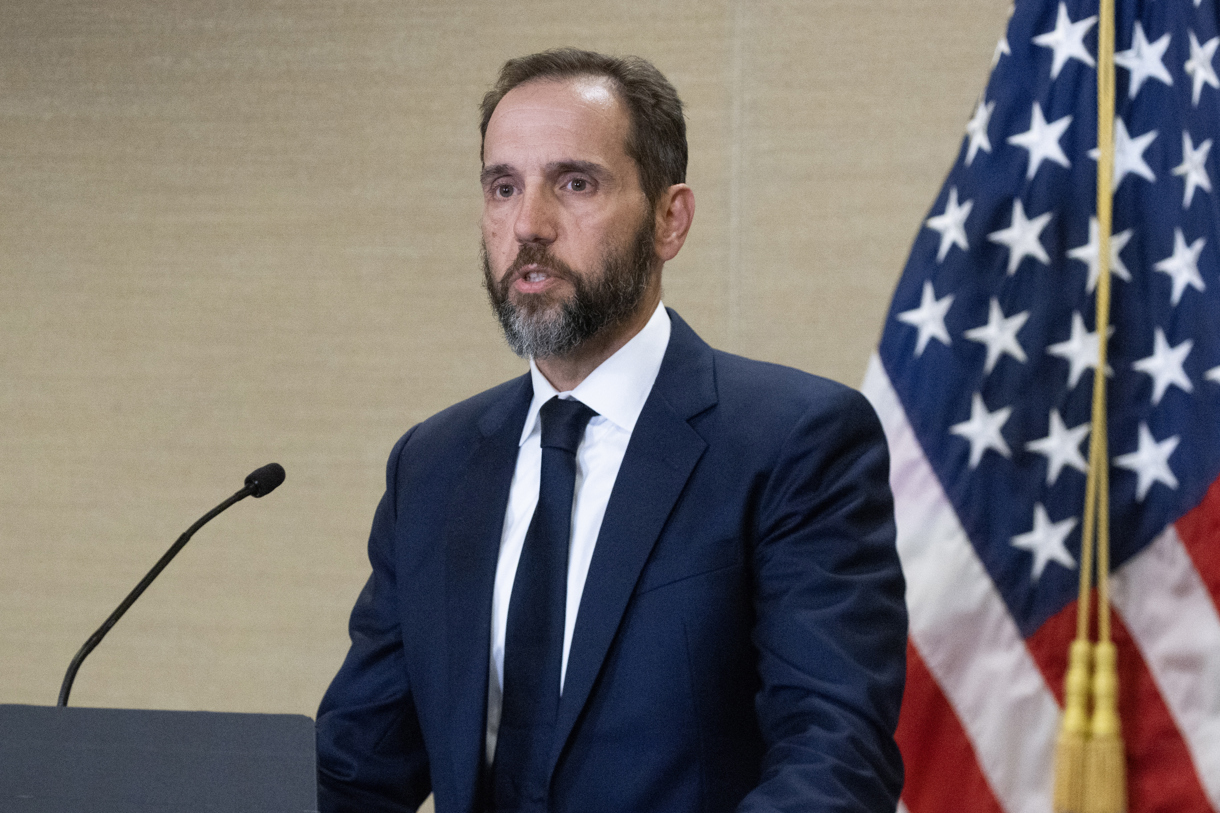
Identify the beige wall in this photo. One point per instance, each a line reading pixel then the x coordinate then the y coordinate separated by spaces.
pixel 238 231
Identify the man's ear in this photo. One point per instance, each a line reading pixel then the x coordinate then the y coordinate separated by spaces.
pixel 675 210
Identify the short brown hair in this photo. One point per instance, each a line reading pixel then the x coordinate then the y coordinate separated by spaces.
pixel 656 138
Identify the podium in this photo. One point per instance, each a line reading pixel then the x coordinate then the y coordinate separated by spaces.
pixel 87 760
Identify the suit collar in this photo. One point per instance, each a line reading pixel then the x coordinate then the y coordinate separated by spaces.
pixel 687 380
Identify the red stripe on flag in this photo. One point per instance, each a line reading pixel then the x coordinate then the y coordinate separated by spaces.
pixel 1199 531
pixel 1160 773
pixel 942 771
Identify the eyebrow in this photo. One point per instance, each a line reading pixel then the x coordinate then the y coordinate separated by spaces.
pixel 555 167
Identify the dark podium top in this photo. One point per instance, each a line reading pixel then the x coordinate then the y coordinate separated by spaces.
pixel 78 760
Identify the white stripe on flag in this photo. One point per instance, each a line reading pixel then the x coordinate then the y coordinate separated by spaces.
pixel 1171 616
pixel 961 626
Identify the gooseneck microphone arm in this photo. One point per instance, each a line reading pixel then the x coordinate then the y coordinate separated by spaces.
pixel 262 481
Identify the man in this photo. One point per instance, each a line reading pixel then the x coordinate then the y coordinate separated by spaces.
pixel 647 576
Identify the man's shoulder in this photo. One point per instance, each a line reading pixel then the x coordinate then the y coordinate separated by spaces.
pixel 765 388
pixel 484 411
pixel 760 387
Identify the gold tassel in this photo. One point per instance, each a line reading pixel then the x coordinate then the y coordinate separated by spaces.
pixel 1070 747
pixel 1105 788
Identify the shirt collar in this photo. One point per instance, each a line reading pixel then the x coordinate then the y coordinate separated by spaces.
pixel 618 388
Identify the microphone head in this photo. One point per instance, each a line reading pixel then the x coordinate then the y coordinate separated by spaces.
pixel 265 479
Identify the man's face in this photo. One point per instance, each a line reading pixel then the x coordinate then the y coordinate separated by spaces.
pixel 567 232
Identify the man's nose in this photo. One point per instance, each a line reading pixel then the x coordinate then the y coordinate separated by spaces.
pixel 536 217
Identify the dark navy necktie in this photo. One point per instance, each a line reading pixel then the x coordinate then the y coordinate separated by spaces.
pixel 533 640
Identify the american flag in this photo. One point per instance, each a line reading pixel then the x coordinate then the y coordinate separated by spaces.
pixel 983 381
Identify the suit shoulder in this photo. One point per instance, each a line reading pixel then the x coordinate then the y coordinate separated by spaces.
pixel 768 386
pixel 466 418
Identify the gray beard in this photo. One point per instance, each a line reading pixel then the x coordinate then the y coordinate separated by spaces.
pixel 536 326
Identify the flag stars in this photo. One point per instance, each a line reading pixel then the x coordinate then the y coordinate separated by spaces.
pixel 1042 141
pixel 1129 153
pixel 1001 49
pixel 952 225
pixel 1022 237
pixel 1061 447
pixel 1199 66
pixel 1091 251
pixel 983 430
pixel 1165 366
pixel 976 130
pixel 929 318
pixel 1001 46
pixel 1067 40
pixel 1193 168
pixel 1150 462
pixel 1213 375
pixel 1144 60
pixel 1080 350
pixel 1000 335
pixel 1046 541
pixel 1183 265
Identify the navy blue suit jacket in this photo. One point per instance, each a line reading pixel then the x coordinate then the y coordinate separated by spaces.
pixel 741 637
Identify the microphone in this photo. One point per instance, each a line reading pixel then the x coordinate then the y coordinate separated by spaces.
pixel 260 482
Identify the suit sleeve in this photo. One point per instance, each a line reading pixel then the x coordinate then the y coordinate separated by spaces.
pixel 371 754
pixel 831 619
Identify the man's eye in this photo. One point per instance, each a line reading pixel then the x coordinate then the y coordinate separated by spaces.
pixel 504 190
pixel 578 184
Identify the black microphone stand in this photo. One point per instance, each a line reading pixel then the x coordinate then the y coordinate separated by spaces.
pixel 260 482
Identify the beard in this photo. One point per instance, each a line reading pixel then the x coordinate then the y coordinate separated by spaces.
pixel 541 325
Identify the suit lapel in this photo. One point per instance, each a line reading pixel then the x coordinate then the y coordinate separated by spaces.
pixel 471 542
pixel 660 457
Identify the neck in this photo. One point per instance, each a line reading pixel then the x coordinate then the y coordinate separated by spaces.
pixel 567 371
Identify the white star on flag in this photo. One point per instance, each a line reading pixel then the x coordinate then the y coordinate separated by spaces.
pixel 1165 366
pixel 1046 540
pixel 1001 49
pixel 1042 141
pixel 1193 167
pixel 1144 60
pixel 1067 40
pixel 951 225
pixel 1080 350
pixel 1199 66
pixel 983 430
pixel 1088 254
pixel 976 129
pixel 1213 374
pixel 1000 335
pixel 1129 153
pixel 1183 265
pixel 929 317
pixel 1150 462
pixel 1022 237
pixel 1061 447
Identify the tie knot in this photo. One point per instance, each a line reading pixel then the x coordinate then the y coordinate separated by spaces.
pixel 563 423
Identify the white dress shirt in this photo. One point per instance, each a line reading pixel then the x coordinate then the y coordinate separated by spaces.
pixel 616 391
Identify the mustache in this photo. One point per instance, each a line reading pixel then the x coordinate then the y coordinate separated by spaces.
pixel 534 254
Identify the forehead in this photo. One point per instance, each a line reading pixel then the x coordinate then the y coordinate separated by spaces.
pixel 578 118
